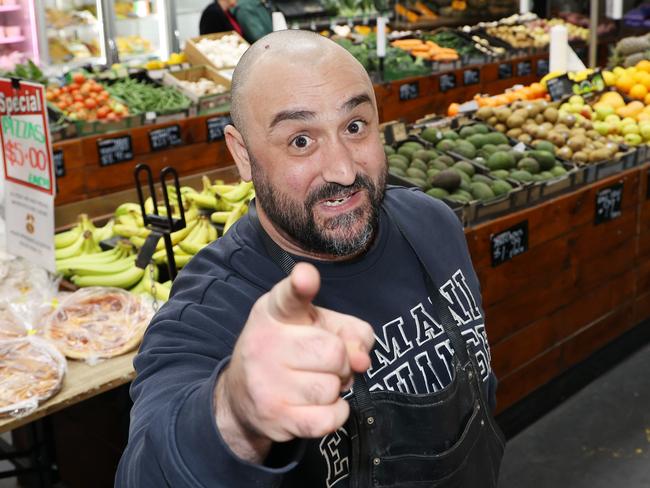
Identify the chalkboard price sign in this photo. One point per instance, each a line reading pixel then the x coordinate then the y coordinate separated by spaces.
pixel 59 164
pixel 608 203
pixel 165 137
pixel 446 82
pixel 524 68
pixel 471 76
pixel 409 91
pixel 509 243
pixel 505 71
pixel 115 150
pixel 216 125
pixel 542 67
pixel 559 87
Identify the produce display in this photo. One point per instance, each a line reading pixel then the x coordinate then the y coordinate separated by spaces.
pixel 142 97
pixel 633 81
pixel 540 30
pixel 518 36
pixel 98 322
pixel 133 45
pixel 28 71
pixel 427 50
pixel 85 99
pixel 534 91
pixel 31 371
pixel 454 40
pixel 620 121
pixel 202 87
pixel 223 52
pixel 349 8
pixel 630 50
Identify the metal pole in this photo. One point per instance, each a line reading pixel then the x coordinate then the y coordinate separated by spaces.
pixel 593 32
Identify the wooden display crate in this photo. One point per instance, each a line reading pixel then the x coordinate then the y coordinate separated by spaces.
pixel 197 58
pixel 206 103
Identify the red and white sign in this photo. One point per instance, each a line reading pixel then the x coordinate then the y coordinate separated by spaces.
pixel 26 153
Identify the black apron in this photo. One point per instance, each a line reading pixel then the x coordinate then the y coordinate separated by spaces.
pixel 446 439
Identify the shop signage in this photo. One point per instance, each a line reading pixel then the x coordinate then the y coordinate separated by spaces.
pixel 29 173
pixel 394 132
pixel 505 71
pixel 216 126
pixel 562 86
pixel 115 150
pixel 59 163
pixel 509 243
pixel 608 203
pixel 165 137
pixel 542 67
pixel 409 91
pixel 446 82
pixel 471 76
pixel 524 68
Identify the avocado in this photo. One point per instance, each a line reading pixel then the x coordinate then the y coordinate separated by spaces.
pixel 406 151
pixel 546 175
pixel 416 173
pixel 545 146
pixel 479 160
pixel 482 178
pixel 431 172
pixel 500 174
pixel 460 198
pixel 496 138
pixel 433 154
pixel 448 160
pixel 481 191
pixel 400 157
pixel 465 149
pixel 529 164
pixel 464 176
pixel 438 193
pixel 447 179
pixel 399 163
pixel 419 182
pixel 500 187
pixel 413 144
pixel 397 171
pixel 466 186
pixel 488 149
pixel 466 132
pixel 419 164
pixel 422 154
pixel 521 175
pixel 501 160
pixel 430 134
pixel 446 145
pixel 439 165
pixel 450 134
pixel 388 150
pixel 481 129
pixel 545 159
pixel 464 193
pixel 477 140
pixel 465 167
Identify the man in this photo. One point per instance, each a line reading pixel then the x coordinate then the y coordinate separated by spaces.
pixel 244 376
pixel 217 17
pixel 251 19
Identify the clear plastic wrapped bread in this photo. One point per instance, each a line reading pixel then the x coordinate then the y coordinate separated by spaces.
pixel 97 322
pixel 31 371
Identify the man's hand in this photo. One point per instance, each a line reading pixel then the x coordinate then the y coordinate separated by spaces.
pixel 289 366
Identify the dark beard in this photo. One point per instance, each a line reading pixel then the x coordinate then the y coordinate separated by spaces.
pixel 298 221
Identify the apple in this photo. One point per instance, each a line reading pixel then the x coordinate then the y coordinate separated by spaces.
pixel 613 119
pixel 630 129
pixel 586 112
pixel 628 121
pixel 633 139
pixel 644 130
pixel 602 127
pixel 576 100
pixel 603 111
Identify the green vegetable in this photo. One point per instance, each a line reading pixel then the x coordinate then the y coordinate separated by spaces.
pixel 144 97
pixel 28 71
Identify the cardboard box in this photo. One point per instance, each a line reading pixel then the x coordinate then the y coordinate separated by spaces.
pixel 197 58
pixel 206 103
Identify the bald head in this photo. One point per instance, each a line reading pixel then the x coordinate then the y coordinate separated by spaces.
pixel 275 53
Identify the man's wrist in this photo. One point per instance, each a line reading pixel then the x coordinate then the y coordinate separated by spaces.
pixel 240 437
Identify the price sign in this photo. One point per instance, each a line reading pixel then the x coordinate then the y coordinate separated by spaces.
pixel 542 67
pixel 446 82
pixel 115 150
pixel 509 243
pixel 608 203
pixel 165 137
pixel 559 87
pixel 524 68
pixel 29 174
pixel 471 76
pixel 394 132
pixel 216 126
pixel 59 164
pixel 505 71
pixel 409 91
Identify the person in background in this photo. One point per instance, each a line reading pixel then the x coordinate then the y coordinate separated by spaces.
pixel 217 17
pixel 254 17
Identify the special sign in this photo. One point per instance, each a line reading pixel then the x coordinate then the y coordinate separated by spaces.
pixel 24 135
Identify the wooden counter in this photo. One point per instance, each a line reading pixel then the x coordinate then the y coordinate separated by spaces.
pixel 80 383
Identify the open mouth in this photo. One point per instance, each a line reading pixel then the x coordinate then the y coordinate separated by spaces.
pixel 337 202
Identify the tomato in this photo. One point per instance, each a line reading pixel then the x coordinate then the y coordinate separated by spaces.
pixel 102 112
pixel 90 102
pixel 85 89
pixel 50 96
pixel 73 86
pixel 62 105
pixel 78 105
pixel 103 97
pixel 97 88
pixel 112 116
pixel 78 78
pixel 65 89
pixel 78 97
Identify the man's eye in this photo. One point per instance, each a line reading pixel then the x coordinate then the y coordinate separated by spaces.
pixel 301 142
pixel 356 126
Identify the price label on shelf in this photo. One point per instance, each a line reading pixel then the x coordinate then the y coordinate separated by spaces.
pixel 471 76
pixel 446 82
pixel 165 137
pixel 59 163
pixel 505 71
pixel 524 68
pixel 542 67
pixel 115 150
pixel 509 243
pixel 409 91
pixel 28 168
pixel 608 203
pixel 216 126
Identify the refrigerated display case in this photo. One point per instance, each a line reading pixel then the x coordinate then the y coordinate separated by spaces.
pixel 18 36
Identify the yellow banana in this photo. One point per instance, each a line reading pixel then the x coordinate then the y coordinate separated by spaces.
pixel 68 237
pixel 234 216
pixel 124 279
pixel 219 217
pixel 238 193
pixel 74 249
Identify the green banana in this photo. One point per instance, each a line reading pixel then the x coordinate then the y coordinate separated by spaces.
pixel 75 248
pixel 105 232
pixel 124 279
pixel 127 208
pixel 68 237
pixel 104 268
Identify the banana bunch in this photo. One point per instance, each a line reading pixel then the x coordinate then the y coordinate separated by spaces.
pixel 233 202
pixel 149 285
pixel 80 240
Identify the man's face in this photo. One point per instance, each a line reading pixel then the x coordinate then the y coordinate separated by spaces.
pixel 316 158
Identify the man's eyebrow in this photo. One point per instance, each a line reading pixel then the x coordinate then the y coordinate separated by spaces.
pixel 356 101
pixel 291 115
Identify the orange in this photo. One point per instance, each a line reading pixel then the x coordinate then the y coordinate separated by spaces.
pixel 625 83
pixel 644 65
pixel 538 89
pixel 609 77
pixel 453 109
pixel 639 91
pixel 500 100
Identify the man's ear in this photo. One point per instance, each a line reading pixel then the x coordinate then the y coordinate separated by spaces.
pixel 237 148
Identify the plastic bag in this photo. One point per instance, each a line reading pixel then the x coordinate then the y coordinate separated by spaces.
pixel 97 322
pixel 31 371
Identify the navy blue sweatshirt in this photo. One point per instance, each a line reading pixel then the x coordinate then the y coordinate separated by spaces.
pixel 174 440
